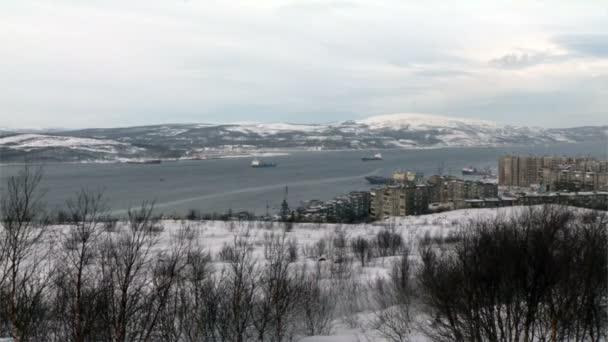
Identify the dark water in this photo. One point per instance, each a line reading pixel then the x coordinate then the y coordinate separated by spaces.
pixel 216 185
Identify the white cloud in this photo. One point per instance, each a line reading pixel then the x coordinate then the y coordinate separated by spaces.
pixel 74 63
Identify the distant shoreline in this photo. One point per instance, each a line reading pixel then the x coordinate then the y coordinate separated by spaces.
pixel 284 152
pixel 125 161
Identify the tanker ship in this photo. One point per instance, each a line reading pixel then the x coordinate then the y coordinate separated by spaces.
pixel 257 163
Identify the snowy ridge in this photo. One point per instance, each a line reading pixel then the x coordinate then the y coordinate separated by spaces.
pixel 274 128
pixel 174 141
pixel 20 141
pixel 98 148
pixel 417 121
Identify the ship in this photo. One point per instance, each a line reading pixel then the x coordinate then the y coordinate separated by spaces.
pixel 379 180
pixel 144 161
pixel 260 163
pixel 376 156
pixel 471 171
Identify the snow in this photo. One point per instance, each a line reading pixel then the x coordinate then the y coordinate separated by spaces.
pixel 335 338
pixel 33 141
pixel 404 143
pixel 407 131
pixel 169 131
pixel 274 128
pixel 315 137
pixel 211 236
pixel 417 121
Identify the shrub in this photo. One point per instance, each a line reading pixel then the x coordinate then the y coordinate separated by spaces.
pixel 388 243
pixel 227 253
pixel 193 214
pixel 361 249
pixel 292 250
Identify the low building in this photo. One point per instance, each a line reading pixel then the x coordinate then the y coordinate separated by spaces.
pixel 352 207
pixel 591 200
pixel 492 202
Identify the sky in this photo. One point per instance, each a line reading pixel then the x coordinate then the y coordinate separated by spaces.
pixel 85 63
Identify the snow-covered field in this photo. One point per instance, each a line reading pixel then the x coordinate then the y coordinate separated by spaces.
pixel 214 235
pixel 355 316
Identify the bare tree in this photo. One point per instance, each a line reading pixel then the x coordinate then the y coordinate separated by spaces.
pixel 193 315
pixel 388 242
pixel 340 244
pixel 238 287
pixel 125 267
pixel 393 298
pixel 361 248
pixel 278 294
pixel 167 270
pixel 24 265
pixel 541 275
pixel 320 248
pixel 201 306
pixel 317 303
pixel 77 282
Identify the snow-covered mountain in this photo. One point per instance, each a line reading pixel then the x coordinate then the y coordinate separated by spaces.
pixel 415 121
pixel 407 130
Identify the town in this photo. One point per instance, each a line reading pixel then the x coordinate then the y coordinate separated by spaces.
pixel 522 180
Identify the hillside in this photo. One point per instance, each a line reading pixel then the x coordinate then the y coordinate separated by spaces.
pixel 44 147
pixel 186 140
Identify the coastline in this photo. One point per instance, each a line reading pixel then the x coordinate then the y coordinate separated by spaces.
pixel 284 152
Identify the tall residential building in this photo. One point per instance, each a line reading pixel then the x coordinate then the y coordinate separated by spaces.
pixel 514 170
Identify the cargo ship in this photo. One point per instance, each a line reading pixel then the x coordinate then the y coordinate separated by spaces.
pixel 145 161
pixel 376 156
pixel 471 171
pixel 260 163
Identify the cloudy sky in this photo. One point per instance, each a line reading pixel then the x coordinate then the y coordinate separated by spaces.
pixel 81 63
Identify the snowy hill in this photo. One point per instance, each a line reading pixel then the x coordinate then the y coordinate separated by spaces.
pixel 63 148
pixel 415 121
pixel 407 130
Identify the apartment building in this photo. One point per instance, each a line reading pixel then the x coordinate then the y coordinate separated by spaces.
pixel 515 170
pixel 352 207
pixel 553 173
pixel 445 189
pixel 400 200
